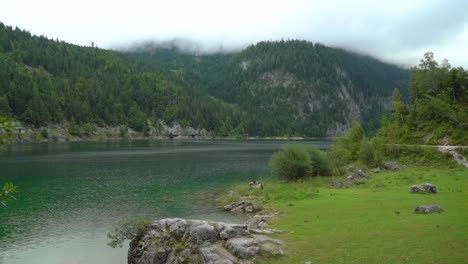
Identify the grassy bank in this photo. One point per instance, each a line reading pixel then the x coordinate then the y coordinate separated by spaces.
pixel 360 223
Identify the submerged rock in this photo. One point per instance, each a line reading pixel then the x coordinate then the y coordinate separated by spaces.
pixel 428 209
pixel 423 188
pixel 196 241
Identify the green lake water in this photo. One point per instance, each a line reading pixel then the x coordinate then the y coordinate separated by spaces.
pixel 70 194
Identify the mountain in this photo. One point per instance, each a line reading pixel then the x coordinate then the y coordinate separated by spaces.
pixel 288 87
pixel 284 88
pixel 49 81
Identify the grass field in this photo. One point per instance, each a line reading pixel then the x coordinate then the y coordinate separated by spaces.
pixel 359 224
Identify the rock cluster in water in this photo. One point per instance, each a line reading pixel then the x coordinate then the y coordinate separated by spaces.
pixel 197 241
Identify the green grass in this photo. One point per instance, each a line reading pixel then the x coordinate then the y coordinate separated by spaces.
pixel 358 224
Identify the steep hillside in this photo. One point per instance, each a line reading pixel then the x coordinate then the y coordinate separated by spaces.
pixel 45 81
pixel 288 87
pixel 285 88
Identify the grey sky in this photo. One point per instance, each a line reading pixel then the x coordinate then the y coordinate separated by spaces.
pixel 399 31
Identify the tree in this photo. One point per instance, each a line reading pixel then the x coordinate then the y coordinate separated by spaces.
pixel 8 188
pixel 398 107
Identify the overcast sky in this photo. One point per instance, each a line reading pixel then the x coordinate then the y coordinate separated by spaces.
pixel 399 31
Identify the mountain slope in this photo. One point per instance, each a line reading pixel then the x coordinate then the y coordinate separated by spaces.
pixel 285 88
pixel 45 81
pixel 288 87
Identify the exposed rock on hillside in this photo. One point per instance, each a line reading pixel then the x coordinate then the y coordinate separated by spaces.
pixel 196 241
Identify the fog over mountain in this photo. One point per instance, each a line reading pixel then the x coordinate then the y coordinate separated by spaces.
pixel 395 31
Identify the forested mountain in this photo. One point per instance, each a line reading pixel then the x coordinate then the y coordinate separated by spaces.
pixel 284 88
pixel 44 81
pixel 288 87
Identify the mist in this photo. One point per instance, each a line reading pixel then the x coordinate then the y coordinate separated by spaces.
pixel 394 31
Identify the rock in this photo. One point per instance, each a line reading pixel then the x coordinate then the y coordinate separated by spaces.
pixel 195 241
pixel 256 185
pixel 260 221
pixel 391 165
pixel 269 246
pixel 243 247
pixel 423 188
pixel 357 178
pixel 216 254
pixel 202 233
pixel 242 207
pixel 376 170
pixel 337 184
pixel 428 209
pixel 227 231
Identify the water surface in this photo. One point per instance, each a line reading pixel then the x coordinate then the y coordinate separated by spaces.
pixel 70 194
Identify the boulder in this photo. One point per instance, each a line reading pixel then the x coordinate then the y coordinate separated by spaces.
pixel 256 185
pixel 357 178
pixel 196 241
pixel 337 184
pixel 428 209
pixel 227 231
pixel 244 247
pixel 391 165
pixel 202 233
pixel 242 207
pixel 423 188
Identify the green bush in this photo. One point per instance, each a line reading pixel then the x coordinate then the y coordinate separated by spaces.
pixel 291 163
pixel 319 162
pixel 74 128
pixel 371 152
pixel 88 129
pixel 44 133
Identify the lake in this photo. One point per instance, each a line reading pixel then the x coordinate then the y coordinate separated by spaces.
pixel 71 194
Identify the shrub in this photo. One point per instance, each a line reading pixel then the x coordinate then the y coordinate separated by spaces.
pixel 371 152
pixel 44 133
pixel 291 163
pixel 127 229
pixel 88 129
pixel 319 162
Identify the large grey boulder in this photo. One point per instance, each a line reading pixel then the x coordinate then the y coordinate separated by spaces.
pixel 227 231
pixel 244 247
pixel 203 232
pixel 428 209
pixel 423 188
pixel 194 241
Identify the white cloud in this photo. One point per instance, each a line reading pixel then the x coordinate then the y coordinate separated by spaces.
pixel 399 31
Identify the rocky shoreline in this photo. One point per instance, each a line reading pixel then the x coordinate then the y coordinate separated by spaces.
pixel 198 241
